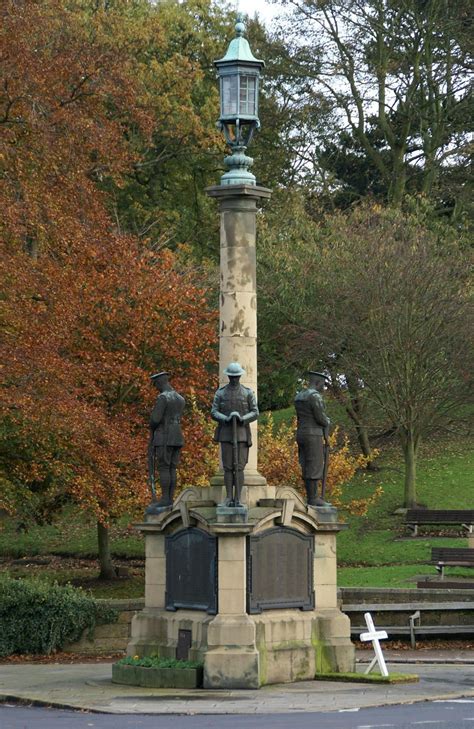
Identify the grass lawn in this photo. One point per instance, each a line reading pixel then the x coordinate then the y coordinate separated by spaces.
pixel 391 575
pixel 374 551
pixel 66 551
pixel 72 534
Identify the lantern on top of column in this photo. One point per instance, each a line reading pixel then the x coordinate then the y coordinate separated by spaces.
pixel 239 74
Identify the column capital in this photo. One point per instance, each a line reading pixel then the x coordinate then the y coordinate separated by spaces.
pixel 231 192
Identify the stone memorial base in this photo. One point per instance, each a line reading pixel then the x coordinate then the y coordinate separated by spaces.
pixel 254 600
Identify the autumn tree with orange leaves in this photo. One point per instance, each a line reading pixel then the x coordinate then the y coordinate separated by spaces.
pixel 88 310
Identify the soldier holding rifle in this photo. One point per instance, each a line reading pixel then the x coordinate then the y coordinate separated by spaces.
pixel 166 441
pixel 234 408
pixel 312 430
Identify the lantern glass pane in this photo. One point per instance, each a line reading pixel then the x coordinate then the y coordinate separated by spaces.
pixel 247 95
pixel 229 95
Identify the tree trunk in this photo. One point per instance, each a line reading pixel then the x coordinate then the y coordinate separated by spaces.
pixel 107 569
pixel 364 443
pixel 410 447
pixel 397 183
pixel 356 411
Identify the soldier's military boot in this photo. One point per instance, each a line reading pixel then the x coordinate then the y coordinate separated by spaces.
pixel 228 482
pixel 238 488
pixel 165 483
pixel 311 491
pixel 319 499
pixel 172 484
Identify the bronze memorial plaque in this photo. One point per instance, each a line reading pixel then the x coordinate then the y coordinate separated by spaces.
pixel 280 570
pixel 191 571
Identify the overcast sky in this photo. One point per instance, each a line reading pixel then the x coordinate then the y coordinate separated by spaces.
pixel 265 9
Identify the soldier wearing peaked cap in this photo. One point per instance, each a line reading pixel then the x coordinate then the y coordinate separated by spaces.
pixel 312 428
pixel 234 408
pixel 166 440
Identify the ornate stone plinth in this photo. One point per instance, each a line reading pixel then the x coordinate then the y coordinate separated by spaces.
pixel 255 600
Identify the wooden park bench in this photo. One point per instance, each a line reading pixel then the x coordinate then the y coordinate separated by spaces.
pixel 451 557
pixel 414 619
pixel 439 517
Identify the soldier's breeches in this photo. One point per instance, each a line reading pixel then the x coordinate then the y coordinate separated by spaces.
pixel 167 456
pixel 227 456
pixel 311 457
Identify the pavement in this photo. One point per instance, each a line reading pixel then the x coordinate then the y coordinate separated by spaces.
pixel 444 674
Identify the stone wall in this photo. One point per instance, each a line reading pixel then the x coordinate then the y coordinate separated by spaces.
pixel 110 637
pixel 114 637
pixel 387 595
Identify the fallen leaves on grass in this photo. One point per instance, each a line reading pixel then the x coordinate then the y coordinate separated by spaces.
pixel 61 657
pixel 421 645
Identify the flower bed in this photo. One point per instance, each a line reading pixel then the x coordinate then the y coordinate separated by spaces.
pixel 156 672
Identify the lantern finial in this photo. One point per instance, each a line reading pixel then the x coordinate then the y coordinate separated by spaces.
pixel 239 73
pixel 240 25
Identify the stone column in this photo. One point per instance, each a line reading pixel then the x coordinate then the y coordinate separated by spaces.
pixel 238 303
pixel 155 570
pixel 331 630
pixel 232 659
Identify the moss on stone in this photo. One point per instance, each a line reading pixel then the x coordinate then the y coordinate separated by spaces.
pixel 367 677
pixel 262 651
pixel 322 652
pixel 303 672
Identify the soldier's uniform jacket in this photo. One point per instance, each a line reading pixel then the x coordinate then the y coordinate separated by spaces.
pixel 312 420
pixel 165 420
pixel 239 399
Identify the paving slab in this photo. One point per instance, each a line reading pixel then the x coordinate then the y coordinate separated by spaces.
pixel 431 656
pixel 89 687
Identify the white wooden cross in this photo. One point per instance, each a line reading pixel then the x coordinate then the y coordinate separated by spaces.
pixel 375 636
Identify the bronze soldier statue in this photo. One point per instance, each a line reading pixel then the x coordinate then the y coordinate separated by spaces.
pixel 166 440
pixel 312 428
pixel 234 408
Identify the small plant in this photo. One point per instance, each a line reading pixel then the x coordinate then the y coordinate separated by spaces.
pixel 156 672
pixel 39 617
pixel 278 462
pixel 155 661
pixel 200 458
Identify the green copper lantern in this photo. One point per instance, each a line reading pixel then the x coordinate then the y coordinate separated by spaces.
pixel 239 74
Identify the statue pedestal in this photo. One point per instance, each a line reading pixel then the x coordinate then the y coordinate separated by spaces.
pixel 231 514
pixel 255 600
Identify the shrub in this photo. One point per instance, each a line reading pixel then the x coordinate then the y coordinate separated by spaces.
pixel 37 617
pixel 278 462
pixel 200 456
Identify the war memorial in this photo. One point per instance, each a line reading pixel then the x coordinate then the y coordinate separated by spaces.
pixel 240 576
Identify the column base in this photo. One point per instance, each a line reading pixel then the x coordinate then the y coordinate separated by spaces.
pixel 255 488
pixel 156 631
pixel 231 668
pixel 246 652
pixel 232 659
pixel 296 645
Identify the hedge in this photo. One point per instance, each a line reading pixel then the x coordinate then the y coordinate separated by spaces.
pixel 40 617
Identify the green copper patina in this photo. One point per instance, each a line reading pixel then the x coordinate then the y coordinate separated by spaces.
pixel 239 74
pixel 239 48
